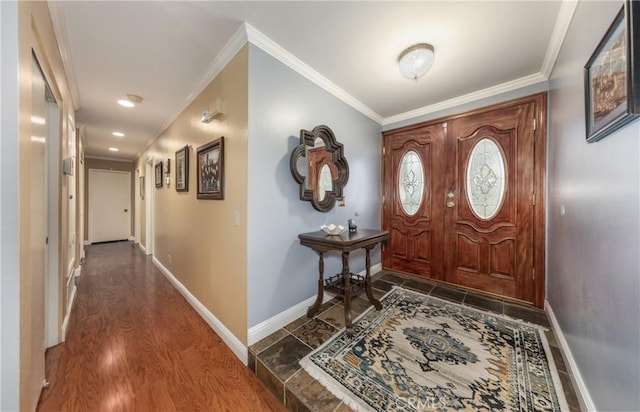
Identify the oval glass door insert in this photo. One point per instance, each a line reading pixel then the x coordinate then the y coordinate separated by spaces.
pixel 325 184
pixel 486 176
pixel 411 182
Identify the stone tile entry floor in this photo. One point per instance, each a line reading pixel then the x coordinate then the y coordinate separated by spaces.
pixel 275 358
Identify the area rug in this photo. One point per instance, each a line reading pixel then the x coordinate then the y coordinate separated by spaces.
pixel 422 353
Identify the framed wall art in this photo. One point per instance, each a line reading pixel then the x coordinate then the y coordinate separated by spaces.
pixel 612 77
pixel 182 169
pixel 210 170
pixel 141 187
pixel 158 173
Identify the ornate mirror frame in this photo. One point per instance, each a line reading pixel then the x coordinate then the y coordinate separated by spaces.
pixel 335 149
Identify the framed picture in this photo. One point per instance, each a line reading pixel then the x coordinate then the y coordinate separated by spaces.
pixel 166 167
pixel 182 169
pixel 210 170
pixel 141 187
pixel 612 77
pixel 158 171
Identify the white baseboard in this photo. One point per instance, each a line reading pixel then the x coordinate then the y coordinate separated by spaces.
pixel 87 242
pixel 282 319
pixel 77 272
pixel 65 322
pixel 582 393
pixel 142 248
pixel 132 239
pixel 269 326
pixel 229 338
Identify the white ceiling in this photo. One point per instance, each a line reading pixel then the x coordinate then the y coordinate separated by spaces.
pixel 164 51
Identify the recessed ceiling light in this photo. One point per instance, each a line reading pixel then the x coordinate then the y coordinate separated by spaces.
pixel 118 134
pixel 126 103
pixel 114 149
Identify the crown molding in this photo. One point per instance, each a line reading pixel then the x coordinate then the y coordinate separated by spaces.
pixel 59 20
pixel 276 51
pixel 468 98
pixel 565 15
pixel 233 46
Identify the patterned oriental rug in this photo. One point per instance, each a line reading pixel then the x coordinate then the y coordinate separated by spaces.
pixel 422 353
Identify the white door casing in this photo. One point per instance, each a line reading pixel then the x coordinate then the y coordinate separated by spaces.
pixel 109 205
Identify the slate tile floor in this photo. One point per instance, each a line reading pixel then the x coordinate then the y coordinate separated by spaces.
pixel 275 358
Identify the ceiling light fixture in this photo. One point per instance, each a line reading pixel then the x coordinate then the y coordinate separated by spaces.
pixel 118 134
pixel 130 101
pixel 415 61
pixel 114 149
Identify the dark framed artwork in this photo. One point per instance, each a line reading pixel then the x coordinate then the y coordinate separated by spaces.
pixel 158 172
pixel 210 170
pixel 612 80
pixel 182 169
pixel 141 187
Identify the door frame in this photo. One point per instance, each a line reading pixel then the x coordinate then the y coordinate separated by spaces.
pixel 136 207
pixel 52 279
pixel 148 186
pixel 540 174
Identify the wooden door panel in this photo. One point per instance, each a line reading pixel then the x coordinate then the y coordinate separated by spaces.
pixel 415 240
pixel 502 259
pixel 504 252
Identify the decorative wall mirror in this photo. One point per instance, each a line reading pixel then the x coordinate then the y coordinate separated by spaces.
pixel 318 165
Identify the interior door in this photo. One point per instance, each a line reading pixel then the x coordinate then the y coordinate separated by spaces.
pixel 489 218
pixel 412 203
pixel 109 205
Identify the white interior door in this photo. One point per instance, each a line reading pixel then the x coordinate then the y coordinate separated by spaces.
pixel 37 256
pixel 109 205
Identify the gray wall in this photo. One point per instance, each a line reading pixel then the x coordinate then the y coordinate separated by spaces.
pixel 281 272
pixel 593 255
pixel 9 211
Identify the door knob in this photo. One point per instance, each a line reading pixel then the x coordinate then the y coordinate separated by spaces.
pixel 450 204
pixel 126 210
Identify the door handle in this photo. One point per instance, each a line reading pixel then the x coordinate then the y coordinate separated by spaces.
pixel 450 204
pixel 126 210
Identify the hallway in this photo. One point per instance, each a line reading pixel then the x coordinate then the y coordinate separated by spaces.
pixel 135 344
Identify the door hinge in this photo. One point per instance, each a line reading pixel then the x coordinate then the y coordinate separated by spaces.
pixel 533 199
pixel 384 150
pixel 533 273
pixel 383 199
pixel 46 240
pixel 444 126
pixel 535 124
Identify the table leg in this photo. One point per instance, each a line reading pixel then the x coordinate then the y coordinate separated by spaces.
pixel 367 281
pixel 313 309
pixel 347 293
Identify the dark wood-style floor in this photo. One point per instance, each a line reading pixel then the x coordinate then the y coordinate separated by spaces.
pixel 135 344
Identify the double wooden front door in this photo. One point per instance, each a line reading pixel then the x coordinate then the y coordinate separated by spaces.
pixel 459 199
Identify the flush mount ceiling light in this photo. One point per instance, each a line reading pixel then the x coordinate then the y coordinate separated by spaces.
pixel 130 101
pixel 114 149
pixel 118 134
pixel 415 61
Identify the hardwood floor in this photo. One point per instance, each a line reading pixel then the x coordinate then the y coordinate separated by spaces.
pixel 135 344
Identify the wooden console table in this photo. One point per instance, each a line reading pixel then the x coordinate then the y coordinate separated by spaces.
pixel 346 283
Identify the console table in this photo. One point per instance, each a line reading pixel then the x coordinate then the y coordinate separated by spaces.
pixel 346 283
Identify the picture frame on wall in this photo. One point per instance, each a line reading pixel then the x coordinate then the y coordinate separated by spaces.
pixel 182 169
pixel 612 80
pixel 141 187
pixel 158 173
pixel 210 170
